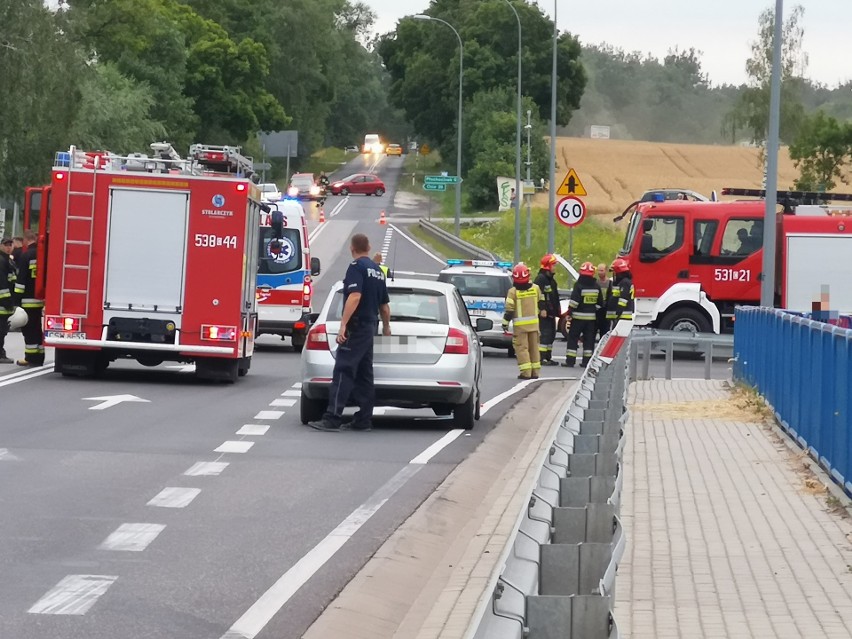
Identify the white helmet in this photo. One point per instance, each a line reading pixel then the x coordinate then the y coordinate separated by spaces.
pixel 18 319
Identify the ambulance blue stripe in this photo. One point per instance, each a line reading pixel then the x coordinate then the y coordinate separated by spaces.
pixel 296 278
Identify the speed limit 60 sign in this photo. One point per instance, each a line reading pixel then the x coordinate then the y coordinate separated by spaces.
pixel 570 211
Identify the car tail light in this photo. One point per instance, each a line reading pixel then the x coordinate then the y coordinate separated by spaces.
pixel 306 295
pixel 217 333
pixel 58 323
pixel 457 343
pixel 318 338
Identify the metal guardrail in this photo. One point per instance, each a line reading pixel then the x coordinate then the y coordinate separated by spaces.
pixel 556 577
pixel 803 368
pixel 644 341
pixel 468 250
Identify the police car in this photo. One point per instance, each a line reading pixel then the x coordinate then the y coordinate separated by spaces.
pixel 483 285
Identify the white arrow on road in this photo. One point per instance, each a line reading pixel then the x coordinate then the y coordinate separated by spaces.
pixel 108 401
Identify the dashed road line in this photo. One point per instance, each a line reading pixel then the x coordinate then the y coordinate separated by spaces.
pixel 202 469
pixel 132 537
pixel 291 393
pixel 269 414
pixel 174 497
pixel 234 446
pixel 286 402
pixel 73 595
pixel 253 429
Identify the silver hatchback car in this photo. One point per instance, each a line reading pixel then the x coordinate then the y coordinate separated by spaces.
pixel 432 360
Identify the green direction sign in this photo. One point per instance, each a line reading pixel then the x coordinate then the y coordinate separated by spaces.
pixel 434 187
pixel 442 179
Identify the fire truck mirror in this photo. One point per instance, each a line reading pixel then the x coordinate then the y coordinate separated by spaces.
pixel 277 224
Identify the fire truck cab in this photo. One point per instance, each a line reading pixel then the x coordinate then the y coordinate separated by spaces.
pixel 694 262
pixel 152 258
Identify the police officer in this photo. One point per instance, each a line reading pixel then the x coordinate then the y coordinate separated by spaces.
pixel 365 297
pixel 378 259
pixel 619 302
pixel 25 291
pixel 586 299
pixel 7 286
pixel 546 281
pixel 524 305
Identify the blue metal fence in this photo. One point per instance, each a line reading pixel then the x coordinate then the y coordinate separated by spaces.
pixel 803 368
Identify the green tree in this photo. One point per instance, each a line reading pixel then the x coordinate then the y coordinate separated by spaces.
pixel 821 150
pixel 751 112
pixel 39 71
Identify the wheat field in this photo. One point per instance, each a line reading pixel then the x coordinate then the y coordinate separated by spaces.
pixel 617 172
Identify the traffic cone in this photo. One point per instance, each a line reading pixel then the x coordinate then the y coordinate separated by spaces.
pixel 382 218
pixel 322 216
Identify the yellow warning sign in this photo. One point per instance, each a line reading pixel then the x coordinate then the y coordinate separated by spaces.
pixel 571 185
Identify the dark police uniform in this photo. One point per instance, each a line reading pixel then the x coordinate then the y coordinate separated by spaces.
pixel 353 366
pixel 25 291
pixel 586 299
pixel 546 281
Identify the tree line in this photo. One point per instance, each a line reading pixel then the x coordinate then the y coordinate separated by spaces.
pixel 121 74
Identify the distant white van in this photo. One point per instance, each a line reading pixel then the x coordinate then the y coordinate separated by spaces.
pixel 373 144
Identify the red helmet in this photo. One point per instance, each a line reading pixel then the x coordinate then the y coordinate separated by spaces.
pixel 588 269
pixel 521 274
pixel 620 265
pixel 548 262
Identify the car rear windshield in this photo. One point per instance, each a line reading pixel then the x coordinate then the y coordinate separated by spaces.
pixel 288 259
pixel 302 181
pixel 268 188
pixel 476 285
pixel 406 305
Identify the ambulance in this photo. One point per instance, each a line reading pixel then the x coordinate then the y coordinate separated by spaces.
pixel 284 272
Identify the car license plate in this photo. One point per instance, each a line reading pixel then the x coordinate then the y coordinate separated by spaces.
pixel 64 335
pixel 479 312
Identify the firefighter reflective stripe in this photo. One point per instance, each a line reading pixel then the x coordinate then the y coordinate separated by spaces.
pixel 19 288
pixel 526 321
pixel 32 303
pixel 4 293
pixel 525 366
pixel 33 349
pixel 522 307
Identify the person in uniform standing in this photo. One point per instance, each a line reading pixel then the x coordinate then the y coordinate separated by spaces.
pixel 524 305
pixel 586 300
pixel 7 286
pixel 546 282
pixel 602 277
pixel 365 298
pixel 33 306
pixel 619 301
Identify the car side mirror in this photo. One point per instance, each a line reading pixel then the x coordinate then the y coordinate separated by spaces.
pixel 315 266
pixel 483 324
pixel 277 224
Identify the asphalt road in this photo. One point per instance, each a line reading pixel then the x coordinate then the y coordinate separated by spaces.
pixel 208 511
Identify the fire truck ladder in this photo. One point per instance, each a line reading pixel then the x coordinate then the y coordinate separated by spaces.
pixel 222 159
pixel 791 199
pixel 79 209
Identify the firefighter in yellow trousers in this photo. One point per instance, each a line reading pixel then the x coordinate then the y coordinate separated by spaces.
pixel 524 304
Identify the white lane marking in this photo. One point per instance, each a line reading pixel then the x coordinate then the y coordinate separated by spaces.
pixel 285 402
pixel 199 469
pixel 132 537
pixel 73 595
pixel 258 615
pixel 297 385
pixel 437 447
pixel 21 372
pixel 174 497
pixel 253 429
pixel 26 375
pixel 387 244
pixel 291 393
pixel 108 401
pixel 234 446
pixel 269 414
pixel 339 206
pixel 5 455
pixel 425 250
pixel 491 403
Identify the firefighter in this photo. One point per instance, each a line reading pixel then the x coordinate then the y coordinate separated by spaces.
pixel 546 282
pixel 586 299
pixel 524 305
pixel 619 301
pixel 25 292
pixel 602 277
pixel 7 285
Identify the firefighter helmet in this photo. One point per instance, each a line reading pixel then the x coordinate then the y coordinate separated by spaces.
pixel 18 319
pixel 587 269
pixel 620 265
pixel 521 274
pixel 548 262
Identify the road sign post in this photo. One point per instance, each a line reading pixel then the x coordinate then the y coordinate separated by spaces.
pixel 570 211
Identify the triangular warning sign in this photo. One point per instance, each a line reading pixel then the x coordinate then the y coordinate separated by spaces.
pixel 571 185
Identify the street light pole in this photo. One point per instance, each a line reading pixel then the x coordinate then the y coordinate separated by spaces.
pixel 551 199
pixel 528 198
pixel 518 143
pixel 423 16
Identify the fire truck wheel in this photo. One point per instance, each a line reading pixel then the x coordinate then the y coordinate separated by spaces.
pixel 310 410
pixel 217 369
pixel 76 363
pixel 244 366
pixel 686 319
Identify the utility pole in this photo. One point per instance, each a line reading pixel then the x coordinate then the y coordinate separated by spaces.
pixel 551 200
pixel 528 198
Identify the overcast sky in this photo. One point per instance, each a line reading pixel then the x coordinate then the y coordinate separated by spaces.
pixel 721 29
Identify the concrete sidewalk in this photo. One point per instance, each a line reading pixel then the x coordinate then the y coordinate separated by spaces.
pixel 729 533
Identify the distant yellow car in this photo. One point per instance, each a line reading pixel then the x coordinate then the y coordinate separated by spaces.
pixel 393 149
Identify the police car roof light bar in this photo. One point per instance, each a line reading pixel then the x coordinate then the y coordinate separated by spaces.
pixel 457 262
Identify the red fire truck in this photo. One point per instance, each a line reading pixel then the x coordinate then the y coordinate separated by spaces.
pixel 150 257
pixel 693 262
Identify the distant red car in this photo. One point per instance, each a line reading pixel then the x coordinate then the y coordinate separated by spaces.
pixel 361 183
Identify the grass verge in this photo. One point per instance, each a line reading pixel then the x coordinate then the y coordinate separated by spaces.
pixel 441 249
